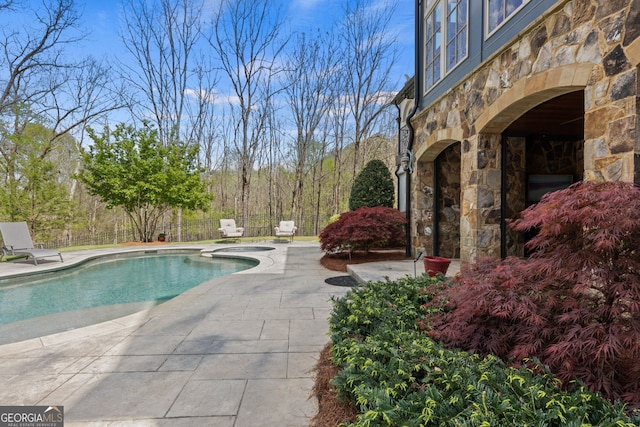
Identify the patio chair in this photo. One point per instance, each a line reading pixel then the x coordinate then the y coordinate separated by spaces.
pixel 16 240
pixel 228 229
pixel 286 229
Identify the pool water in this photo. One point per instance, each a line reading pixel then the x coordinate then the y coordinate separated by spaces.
pixel 111 281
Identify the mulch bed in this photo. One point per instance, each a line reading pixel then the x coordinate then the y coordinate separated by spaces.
pixel 339 261
pixel 331 410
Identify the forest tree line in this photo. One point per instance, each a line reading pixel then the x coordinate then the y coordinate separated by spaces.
pixel 283 120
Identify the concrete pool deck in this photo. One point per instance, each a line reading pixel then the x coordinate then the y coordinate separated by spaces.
pixel 235 351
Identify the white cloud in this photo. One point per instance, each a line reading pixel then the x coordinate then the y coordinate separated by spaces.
pixel 215 98
pixel 305 4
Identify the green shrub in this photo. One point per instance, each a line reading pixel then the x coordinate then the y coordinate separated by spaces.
pixel 401 377
pixel 396 305
pixel 373 186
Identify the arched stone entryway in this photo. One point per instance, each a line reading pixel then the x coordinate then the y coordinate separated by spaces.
pixel 536 127
pixel 436 228
pixel 542 151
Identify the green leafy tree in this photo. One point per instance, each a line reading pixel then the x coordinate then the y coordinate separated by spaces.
pixel 131 168
pixel 373 186
pixel 33 188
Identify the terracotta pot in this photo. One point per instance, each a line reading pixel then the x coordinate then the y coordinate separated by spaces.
pixel 436 264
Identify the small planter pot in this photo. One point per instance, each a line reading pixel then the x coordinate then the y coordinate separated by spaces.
pixel 161 237
pixel 436 264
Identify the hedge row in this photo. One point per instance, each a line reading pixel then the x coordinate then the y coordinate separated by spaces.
pixel 398 376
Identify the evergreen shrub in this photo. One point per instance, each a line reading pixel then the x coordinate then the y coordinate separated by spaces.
pixel 398 376
pixel 373 186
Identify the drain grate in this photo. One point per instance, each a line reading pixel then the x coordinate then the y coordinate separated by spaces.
pixel 341 281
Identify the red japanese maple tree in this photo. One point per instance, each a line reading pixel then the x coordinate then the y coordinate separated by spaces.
pixel 574 303
pixel 364 228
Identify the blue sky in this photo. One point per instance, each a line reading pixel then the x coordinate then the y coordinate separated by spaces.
pixel 102 21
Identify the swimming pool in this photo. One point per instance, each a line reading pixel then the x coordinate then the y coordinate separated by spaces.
pixel 120 284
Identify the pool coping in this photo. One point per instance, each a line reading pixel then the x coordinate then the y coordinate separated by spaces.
pixel 131 320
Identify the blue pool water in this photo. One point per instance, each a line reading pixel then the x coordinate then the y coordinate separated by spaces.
pixel 111 281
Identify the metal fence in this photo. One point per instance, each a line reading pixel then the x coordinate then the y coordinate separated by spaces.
pixel 191 231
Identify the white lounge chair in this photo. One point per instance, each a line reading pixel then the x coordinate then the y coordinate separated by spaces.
pixel 16 240
pixel 286 229
pixel 228 229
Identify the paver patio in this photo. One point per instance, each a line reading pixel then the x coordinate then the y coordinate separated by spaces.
pixel 233 352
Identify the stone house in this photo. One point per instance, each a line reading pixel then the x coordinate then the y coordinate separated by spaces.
pixel 511 99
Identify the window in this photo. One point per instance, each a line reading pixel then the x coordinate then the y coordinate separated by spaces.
pixel 433 27
pixel 456 32
pixel 498 11
pixel 454 28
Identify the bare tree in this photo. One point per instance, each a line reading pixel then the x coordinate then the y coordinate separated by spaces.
pixel 161 36
pixel 271 162
pixel 41 85
pixel 310 89
pixel 227 185
pixel 245 39
pixel 93 96
pixel 338 125
pixel 204 124
pixel 31 55
pixel 320 202
pixel 7 4
pixel 369 53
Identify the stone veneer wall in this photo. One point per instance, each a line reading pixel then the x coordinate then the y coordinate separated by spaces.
pixel 589 45
pixel 422 207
